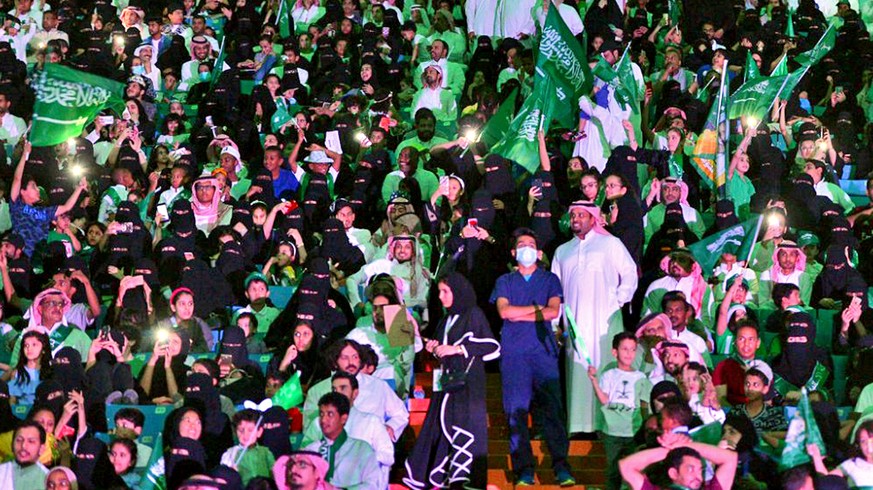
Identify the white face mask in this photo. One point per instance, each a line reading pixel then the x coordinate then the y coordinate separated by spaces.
pixel 526 256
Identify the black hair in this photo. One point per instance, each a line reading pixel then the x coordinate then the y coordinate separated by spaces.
pixel 246 415
pixel 619 337
pixel 424 113
pixel 678 410
pixel 339 347
pixel 795 478
pixel 131 448
pixel 782 290
pixel 131 415
pixel 520 232
pixel 368 356
pixel 758 374
pixel 350 377
pixel 674 296
pixel 677 455
pixel 32 424
pixel 211 366
pixel 337 400
pixel 22 377
pixel 253 321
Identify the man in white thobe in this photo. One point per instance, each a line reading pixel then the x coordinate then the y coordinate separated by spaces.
pixel 598 276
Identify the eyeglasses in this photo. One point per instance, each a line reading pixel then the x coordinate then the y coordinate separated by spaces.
pixel 52 303
pixel 300 463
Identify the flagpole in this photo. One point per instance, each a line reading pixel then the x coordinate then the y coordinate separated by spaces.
pixel 755 242
pixel 805 69
pixel 722 112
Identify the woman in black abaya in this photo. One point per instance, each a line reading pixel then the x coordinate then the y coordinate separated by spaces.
pixel 452 449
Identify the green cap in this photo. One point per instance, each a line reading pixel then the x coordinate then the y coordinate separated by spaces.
pixel 807 238
pixel 255 276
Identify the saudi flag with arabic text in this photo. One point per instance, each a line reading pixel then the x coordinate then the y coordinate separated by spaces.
pixel 562 76
pixel 67 100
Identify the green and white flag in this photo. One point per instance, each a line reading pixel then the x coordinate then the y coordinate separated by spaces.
pixel 755 97
pixel 823 46
pixel 561 76
pixel 802 430
pixel 67 100
pixel 519 144
pixel 283 18
pixel 751 72
pixel 737 240
pixel 781 67
pixel 625 83
pixel 497 126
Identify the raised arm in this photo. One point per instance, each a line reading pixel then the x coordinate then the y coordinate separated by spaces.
pixel 19 172
pixel 632 467
pixel 71 202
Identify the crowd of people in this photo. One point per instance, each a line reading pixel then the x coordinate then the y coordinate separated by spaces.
pixel 241 279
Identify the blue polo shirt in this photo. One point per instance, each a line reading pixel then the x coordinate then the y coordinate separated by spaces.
pixel 538 289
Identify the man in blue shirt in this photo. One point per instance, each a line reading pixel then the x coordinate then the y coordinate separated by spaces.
pixel 283 180
pixel 527 300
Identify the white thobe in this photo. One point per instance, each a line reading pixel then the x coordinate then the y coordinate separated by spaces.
pixel 514 17
pixel 605 126
pixel 365 427
pixel 374 396
pixel 480 16
pixel 598 276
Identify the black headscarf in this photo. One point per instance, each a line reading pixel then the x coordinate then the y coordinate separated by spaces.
pixel 498 180
pixel 202 394
pixel 277 430
pixel 177 365
pixel 799 352
pixel 184 457
pixel 67 369
pixel 464 297
pixel 339 250
pixel 92 466
pixel 211 290
pixel 233 343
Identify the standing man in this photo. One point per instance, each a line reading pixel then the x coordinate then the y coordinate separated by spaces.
pixel 526 300
pixel 598 276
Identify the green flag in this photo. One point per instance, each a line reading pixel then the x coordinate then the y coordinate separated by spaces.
pixel 67 100
pixel 563 60
pixel 561 76
pixel 789 27
pixel 625 84
pixel 520 143
pixel 219 64
pixel 290 395
pixel 675 11
pixel 283 18
pixel 498 124
pixel 781 67
pixel 755 97
pixel 823 46
pixel 791 82
pixel 802 430
pixel 737 240
pixel 751 70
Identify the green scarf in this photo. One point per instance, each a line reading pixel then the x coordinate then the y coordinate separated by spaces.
pixel 58 337
pixel 329 452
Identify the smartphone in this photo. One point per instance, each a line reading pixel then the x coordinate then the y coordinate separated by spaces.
pixel 838 89
pixel 107 120
pixel 474 222
pixel 214 131
pixel 537 183
pixel 162 210
pixel 385 32
pixel 226 360
pixel 126 227
pixel 665 19
pixel 856 301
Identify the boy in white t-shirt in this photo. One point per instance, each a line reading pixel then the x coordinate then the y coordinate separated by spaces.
pixel 622 392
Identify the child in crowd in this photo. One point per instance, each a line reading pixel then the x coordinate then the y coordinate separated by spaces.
pixel 249 459
pixel 765 417
pixel 128 425
pixel 704 404
pixel 622 392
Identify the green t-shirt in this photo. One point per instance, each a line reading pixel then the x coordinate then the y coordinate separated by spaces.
pixel 740 191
